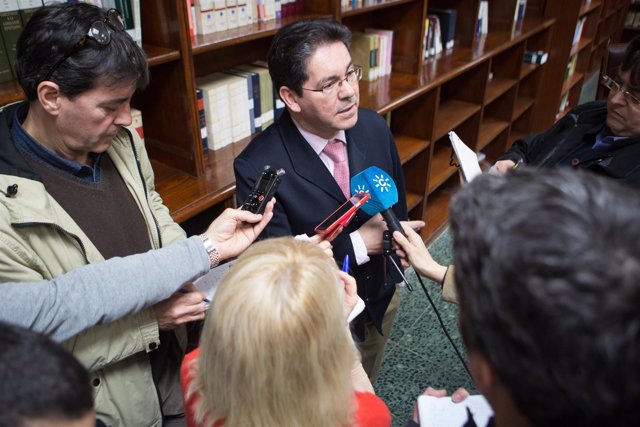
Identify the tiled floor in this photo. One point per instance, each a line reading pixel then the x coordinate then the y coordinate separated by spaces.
pixel 418 353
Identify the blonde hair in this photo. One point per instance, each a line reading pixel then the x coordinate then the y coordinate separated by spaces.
pixel 275 348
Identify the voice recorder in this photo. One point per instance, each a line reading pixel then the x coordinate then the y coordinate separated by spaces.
pixel 263 190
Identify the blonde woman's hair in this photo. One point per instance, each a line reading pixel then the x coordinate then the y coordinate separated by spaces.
pixel 275 348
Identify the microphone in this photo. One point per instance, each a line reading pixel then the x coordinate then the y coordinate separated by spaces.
pixel 384 194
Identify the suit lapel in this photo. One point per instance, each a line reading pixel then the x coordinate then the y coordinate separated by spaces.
pixel 355 151
pixel 305 161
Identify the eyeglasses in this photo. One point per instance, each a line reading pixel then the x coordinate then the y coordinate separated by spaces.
pixel 616 87
pixel 99 32
pixel 353 76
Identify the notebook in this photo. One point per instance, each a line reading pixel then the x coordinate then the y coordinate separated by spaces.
pixel 466 156
pixel 442 412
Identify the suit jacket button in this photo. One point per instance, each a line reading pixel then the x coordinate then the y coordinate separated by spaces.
pixel 95 382
pixel 575 161
pixel 153 346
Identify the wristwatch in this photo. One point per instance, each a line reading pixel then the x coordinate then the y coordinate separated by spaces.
pixel 214 256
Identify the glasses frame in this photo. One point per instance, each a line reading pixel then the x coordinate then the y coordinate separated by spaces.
pixel 615 87
pixel 331 88
pixel 98 32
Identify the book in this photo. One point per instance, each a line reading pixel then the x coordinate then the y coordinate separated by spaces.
pixel 443 412
pixel 467 158
pixel 253 84
pixel 215 93
pixel 447 18
pixel 386 49
pixel 10 27
pixel 204 17
pixel 6 74
pixel 266 92
pixel 535 56
pixel 202 120
pixel 363 53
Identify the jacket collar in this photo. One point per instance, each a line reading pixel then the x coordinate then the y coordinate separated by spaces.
pixel 11 161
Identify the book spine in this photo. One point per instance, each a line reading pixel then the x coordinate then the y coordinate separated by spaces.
pixel 202 120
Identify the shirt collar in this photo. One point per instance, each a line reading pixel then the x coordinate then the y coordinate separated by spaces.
pixel 316 142
pixel 605 139
pixel 37 151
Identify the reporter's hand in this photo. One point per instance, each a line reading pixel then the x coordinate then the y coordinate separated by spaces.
pixel 179 309
pixel 234 230
pixel 502 166
pixel 350 292
pixel 325 245
pixel 413 249
pixel 458 396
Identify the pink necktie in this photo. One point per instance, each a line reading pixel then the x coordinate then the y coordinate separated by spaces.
pixel 337 151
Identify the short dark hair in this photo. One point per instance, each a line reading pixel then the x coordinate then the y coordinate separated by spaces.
pixel 547 269
pixel 39 379
pixel 295 43
pixel 631 62
pixel 53 31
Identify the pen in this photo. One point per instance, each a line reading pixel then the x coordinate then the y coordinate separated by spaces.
pixel 186 291
pixel 518 163
pixel 345 264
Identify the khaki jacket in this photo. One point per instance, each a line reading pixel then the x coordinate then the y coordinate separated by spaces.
pixel 38 240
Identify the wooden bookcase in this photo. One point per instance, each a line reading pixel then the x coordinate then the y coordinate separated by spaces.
pixel 482 89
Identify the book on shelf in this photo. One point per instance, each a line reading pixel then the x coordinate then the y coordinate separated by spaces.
pixel 482 23
pixel 202 120
pixel 571 67
pixel 535 56
pixel 365 54
pixel 266 92
pixel 220 15
pixel 385 50
pixel 204 17
pixel 253 84
pixel 136 122
pixel 518 15
pixel 215 94
pixel 447 19
pixel 564 104
pixel 433 37
pixel 578 32
pixel 249 105
pixel 10 27
pixel 6 73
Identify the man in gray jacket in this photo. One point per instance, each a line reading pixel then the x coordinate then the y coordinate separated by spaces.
pixel 79 188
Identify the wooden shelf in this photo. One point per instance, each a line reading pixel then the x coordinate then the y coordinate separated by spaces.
pixel 583 43
pixel 10 92
pixel 527 69
pixel 440 169
pixel 522 105
pixel 451 114
pixel 409 147
pixel 346 12
pixel 160 55
pixel 496 87
pixel 585 9
pixel 490 128
pixel 413 200
pixel 210 42
pixel 573 80
pixel 438 210
pixel 186 195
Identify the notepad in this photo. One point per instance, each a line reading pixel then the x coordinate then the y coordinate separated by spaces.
pixel 442 412
pixel 209 282
pixel 466 156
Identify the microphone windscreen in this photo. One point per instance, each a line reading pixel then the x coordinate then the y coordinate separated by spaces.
pixel 378 183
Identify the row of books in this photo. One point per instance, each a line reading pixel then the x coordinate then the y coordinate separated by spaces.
pixel 211 16
pixel 372 50
pixel 235 103
pixel 356 4
pixel 14 14
pixel 439 34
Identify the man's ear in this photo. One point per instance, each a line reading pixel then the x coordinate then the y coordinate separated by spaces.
pixel 290 98
pixel 484 375
pixel 49 97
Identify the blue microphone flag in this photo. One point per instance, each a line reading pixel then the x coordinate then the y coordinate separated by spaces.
pixel 378 183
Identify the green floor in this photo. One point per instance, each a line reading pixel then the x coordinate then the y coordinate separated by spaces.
pixel 418 353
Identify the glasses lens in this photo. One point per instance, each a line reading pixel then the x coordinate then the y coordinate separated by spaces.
pixel 115 19
pixel 100 33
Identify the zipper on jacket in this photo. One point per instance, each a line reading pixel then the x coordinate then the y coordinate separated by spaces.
pixel 144 187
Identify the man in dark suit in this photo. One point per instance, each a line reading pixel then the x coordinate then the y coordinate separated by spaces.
pixel 321 140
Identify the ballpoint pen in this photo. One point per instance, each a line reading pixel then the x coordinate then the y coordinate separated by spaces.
pixel 345 264
pixel 186 291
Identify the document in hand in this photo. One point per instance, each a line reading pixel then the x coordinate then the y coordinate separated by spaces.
pixel 209 282
pixel 442 412
pixel 466 156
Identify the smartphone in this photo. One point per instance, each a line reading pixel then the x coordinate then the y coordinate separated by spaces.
pixel 342 216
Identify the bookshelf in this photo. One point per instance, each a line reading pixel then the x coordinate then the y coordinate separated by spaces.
pixel 482 89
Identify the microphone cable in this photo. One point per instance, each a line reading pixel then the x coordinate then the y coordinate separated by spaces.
pixel 386 244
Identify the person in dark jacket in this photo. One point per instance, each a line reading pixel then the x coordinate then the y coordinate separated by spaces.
pixel 603 137
pixel 547 269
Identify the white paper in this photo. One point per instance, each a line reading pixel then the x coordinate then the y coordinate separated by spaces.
pixel 466 156
pixel 442 412
pixel 209 282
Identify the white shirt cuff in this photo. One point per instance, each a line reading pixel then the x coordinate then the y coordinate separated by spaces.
pixel 359 248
